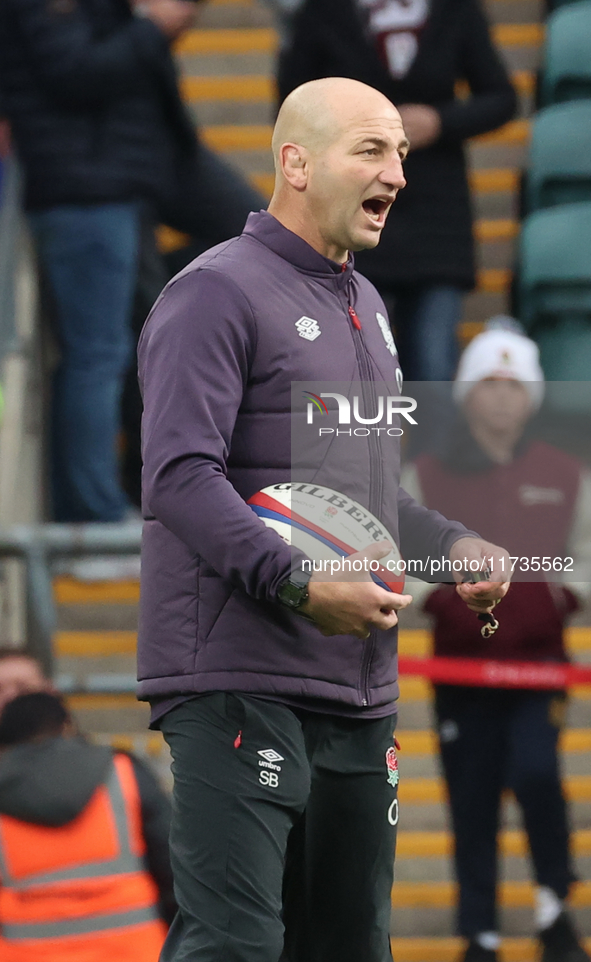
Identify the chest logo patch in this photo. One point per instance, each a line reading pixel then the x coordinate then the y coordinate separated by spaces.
pixel 530 495
pixel 387 333
pixel 308 328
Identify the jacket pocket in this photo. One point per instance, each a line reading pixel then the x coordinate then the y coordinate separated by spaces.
pixel 214 592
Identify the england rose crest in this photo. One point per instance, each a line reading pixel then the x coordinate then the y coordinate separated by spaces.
pixel 392 766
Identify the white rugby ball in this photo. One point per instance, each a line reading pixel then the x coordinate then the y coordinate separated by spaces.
pixel 327 526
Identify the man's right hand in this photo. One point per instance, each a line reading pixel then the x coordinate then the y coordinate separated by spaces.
pixel 355 606
pixel 172 17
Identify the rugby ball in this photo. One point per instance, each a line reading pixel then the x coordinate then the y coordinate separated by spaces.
pixel 327 526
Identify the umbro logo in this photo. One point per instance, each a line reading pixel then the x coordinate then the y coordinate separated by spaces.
pixel 308 328
pixel 270 755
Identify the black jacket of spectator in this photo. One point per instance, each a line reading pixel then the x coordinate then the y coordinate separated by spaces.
pixel 428 236
pixel 91 94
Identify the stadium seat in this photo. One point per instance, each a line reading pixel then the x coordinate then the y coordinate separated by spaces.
pixel 567 61
pixel 560 156
pixel 555 295
pixel 565 355
pixel 555 257
pixel 555 4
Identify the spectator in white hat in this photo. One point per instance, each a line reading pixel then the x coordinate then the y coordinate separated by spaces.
pixel 536 500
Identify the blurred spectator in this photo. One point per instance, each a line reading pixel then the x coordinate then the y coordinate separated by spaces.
pixel 83 844
pixel 20 674
pixel 90 90
pixel 536 500
pixel 415 51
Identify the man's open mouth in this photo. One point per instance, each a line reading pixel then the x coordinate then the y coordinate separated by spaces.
pixel 376 209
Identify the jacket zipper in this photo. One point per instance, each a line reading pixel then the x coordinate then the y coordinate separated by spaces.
pixel 375 477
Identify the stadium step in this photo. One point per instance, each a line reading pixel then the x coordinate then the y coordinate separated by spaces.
pixel 425 742
pixel 69 591
pixel 427 791
pixel 450 949
pixel 261 88
pixel 245 41
pixel 229 138
pixel 413 845
pixel 416 642
pixel 443 894
pixel 234 14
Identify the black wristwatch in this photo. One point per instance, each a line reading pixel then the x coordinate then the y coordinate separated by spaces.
pixel 293 592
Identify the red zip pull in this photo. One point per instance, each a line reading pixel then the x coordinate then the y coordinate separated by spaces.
pixel 238 740
pixel 397 745
pixel 355 320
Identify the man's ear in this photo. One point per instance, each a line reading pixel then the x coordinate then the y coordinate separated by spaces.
pixel 295 165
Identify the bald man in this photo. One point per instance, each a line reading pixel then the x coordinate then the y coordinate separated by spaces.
pixel 277 691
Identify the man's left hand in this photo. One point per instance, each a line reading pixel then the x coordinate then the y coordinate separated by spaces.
pixel 477 555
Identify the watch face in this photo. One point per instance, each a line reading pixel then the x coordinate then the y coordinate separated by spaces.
pixel 292 595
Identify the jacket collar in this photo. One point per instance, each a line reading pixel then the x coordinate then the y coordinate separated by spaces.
pixel 270 232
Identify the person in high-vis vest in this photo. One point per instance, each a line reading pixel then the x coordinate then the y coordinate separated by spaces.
pixel 84 874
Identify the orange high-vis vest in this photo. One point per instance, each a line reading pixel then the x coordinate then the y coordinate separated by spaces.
pixel 81 892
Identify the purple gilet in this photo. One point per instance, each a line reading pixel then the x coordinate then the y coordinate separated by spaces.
pixel 217 358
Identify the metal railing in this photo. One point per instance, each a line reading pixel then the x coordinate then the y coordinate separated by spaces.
pixel 38 546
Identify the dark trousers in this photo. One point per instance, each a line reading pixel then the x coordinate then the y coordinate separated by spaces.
pixel 283 833
pixel 491 740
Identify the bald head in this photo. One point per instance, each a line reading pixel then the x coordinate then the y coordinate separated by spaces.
pixel 315 114
pixel 338 146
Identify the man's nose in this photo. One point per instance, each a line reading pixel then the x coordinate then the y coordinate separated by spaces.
pixel 393 174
